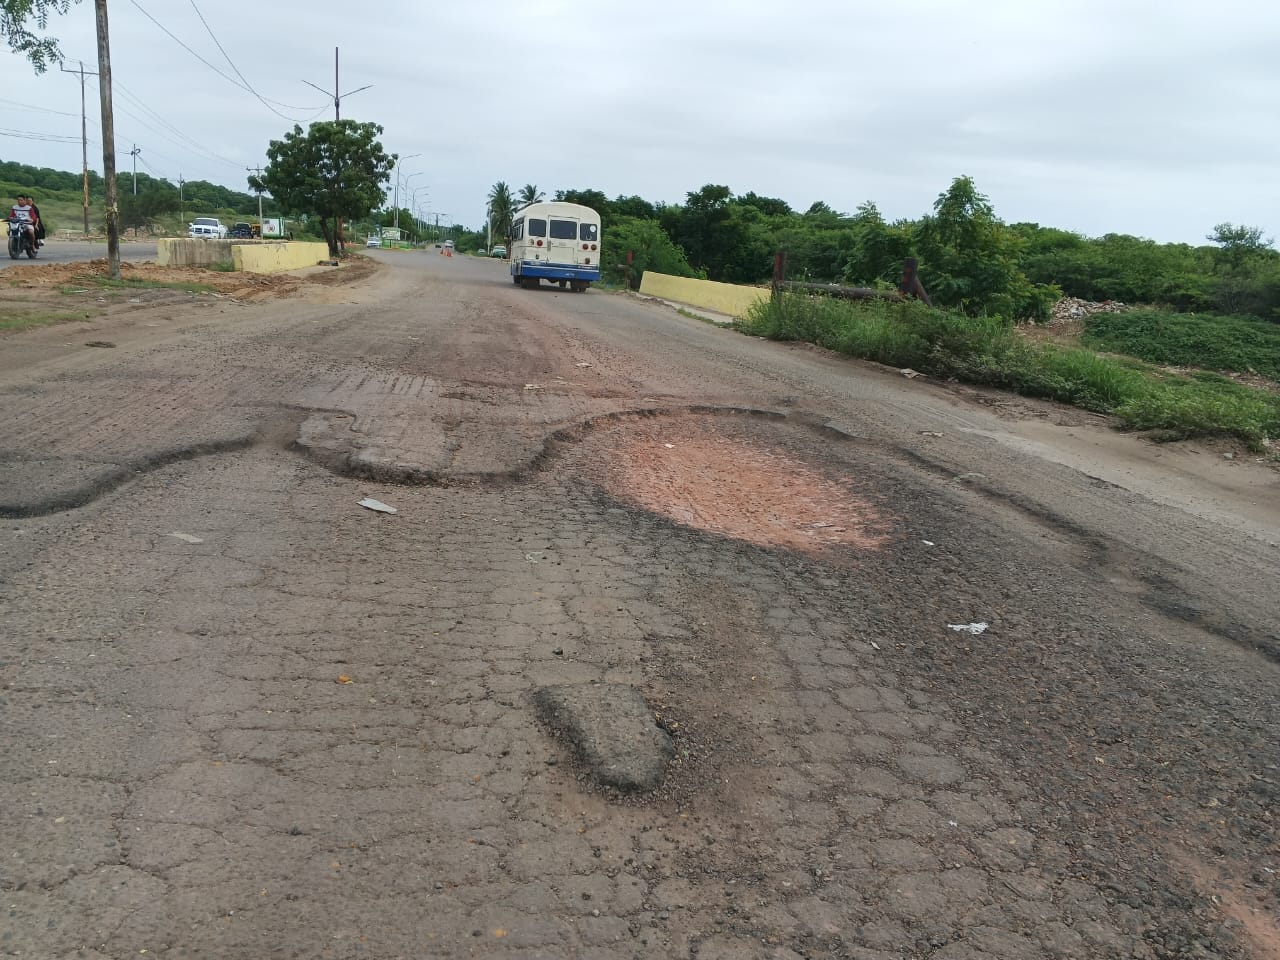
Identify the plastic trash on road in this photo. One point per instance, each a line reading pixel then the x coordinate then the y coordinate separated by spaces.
pixel 371 504
pixel 974 628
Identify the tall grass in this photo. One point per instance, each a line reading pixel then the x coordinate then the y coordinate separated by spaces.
pixel 986 350
pixel 1206 340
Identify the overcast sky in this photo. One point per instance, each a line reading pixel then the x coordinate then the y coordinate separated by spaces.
pixel 1156 119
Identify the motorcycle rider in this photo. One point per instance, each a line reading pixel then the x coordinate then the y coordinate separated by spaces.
pixel 25 213
pixel 39 219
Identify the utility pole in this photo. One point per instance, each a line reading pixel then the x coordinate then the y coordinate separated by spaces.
pixel 337 113
pixel 182 203
pixel 134 153
pixel 258 171
pixel 108 140
pixel 84 139
pixel 337 97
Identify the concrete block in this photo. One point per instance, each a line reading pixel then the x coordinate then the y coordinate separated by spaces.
pixel 277 256
pixel 726 298
pixel 192 253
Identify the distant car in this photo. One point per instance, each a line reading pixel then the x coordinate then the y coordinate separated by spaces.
pixel 448 244
pixel 207 227
pixel 241 231
pixel 498 251
pixel 373 242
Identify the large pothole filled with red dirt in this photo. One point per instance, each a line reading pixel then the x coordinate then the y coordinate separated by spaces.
pixel 739 476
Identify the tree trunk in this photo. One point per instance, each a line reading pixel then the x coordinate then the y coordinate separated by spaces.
pixel 329 237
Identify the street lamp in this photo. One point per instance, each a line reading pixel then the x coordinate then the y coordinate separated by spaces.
pixel 413 206
pixel 396 218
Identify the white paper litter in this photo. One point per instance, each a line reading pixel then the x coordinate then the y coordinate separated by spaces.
pixel 974 628
pixel 186 537
pixel 371 504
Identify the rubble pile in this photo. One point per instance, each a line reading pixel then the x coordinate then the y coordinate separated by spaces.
pixel 1073 308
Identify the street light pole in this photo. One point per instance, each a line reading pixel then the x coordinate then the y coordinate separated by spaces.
pixel 395 203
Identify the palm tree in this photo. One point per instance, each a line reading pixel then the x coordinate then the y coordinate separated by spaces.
pixel 530 194
pixel 502 208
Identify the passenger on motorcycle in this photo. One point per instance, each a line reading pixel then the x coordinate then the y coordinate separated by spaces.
pixel 24 212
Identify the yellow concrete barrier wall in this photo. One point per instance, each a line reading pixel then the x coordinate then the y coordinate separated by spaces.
pixel 708 294
pixel 251 256
pixel 192 253
pixel 273 257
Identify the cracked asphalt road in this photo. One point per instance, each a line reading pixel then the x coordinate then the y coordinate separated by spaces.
pixel 311 734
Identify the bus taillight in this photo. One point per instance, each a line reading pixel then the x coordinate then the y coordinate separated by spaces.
pixel 593 246
pixel 585 247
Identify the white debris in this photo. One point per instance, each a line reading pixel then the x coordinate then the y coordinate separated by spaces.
pixel 974 628
pixel 371 504
pixel 186 537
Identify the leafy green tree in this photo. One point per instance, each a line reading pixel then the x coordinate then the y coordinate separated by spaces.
pixel 650 247
pixel 633 206
pixel 877 248
pixel 336 169
pixel 502 209
pixel 154 199
pixel 769 206
pixel 530 194
pixel 594 199
pixel 16 20
pixel 970 259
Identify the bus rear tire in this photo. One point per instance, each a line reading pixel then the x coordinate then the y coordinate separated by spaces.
pixel 578 286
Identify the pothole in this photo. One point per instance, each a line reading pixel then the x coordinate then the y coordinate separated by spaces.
pixel 754 480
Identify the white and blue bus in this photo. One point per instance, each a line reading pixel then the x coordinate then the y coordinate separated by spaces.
pixel 555 241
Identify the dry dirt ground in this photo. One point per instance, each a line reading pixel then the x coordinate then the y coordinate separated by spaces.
pixel 242 716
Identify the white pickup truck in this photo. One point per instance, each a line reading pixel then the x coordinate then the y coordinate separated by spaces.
pixel 207 227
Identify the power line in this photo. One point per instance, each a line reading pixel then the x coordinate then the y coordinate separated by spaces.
pixel 237 83
pixel 61 113
pixel 182 140
pixel 247 85
pixel 33 135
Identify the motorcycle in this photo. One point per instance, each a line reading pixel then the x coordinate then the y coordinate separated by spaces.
pixel 20 241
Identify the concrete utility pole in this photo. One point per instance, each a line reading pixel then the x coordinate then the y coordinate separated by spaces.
pixel 84 138
pixel 337 97
pixel 134 153
pixel 337 115
pixel 108 141
pixel 182 203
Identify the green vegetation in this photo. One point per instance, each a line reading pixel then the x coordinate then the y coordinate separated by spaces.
pixel 107 283
pixel 986 350
pixel 158 206
pixel 16 317
pixel 335 170
pixel 1207 341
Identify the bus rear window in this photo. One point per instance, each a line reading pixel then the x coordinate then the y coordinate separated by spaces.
pixel 588 232
pixel 564 229
pixel 537 227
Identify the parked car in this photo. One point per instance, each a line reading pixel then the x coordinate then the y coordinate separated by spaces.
pixel 373 242
pixel 241 231
pixel 498 251
pixel 208 227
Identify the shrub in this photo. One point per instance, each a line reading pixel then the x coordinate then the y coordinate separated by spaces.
pixel 1211 341
pixel 985 350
